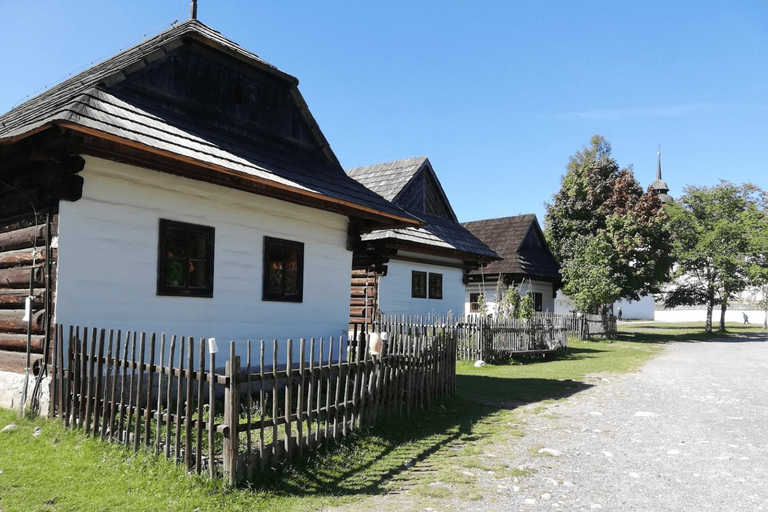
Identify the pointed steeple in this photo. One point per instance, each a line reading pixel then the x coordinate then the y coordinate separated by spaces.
pixel 659 186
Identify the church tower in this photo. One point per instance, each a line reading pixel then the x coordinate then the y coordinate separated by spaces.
pixel 659 186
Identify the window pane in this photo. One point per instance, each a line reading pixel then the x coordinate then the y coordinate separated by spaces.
pixel 198 246
pixel 176 243
pixel 174 272
pixel 291 270
pixel 419 285
pixel 276 268
pixel 196 271
pixel 435 286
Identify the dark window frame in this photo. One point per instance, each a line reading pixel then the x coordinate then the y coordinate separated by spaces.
pixel 538 301
pixel 474 302
pixel 270 296
pixel 432 285
pixel 163 261
pixel 416 288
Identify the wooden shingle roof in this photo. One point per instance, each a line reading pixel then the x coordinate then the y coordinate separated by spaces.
pixel 520 241
pixel 94 104
pixel 412 184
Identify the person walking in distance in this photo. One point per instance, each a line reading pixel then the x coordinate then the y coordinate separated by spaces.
pixel 620 313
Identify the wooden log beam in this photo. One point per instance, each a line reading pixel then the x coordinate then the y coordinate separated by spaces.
pixel 13 361
pixel 359 291
pixel 18 277
pixel 23 238
pixel 21 257
pixel 18 343
pixel 11 321
pixel 15 298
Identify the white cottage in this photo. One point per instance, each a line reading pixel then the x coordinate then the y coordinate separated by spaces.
pixel 181 186
pixel 427 265
pixel 528 264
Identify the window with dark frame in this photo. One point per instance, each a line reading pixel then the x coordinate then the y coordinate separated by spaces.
pixel 474 302
pixel 283 270
pixel 435 286
pixel 185 259
pixel 538 301
pixel 418 284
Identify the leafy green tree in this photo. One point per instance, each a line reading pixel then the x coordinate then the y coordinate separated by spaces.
pixel 611 238
pixel 720 245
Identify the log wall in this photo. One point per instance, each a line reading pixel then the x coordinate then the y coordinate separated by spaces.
pixel 363 301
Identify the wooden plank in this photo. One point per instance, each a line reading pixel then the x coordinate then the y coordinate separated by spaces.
pixel 248 441
pixel 274 452
pixel 345 394
pixel 289 400
pixel 139 385
pixel 150 384
pixel 200 422
pixel 311 386
pixel 54 384
pixel 123 377
pixel 106 402
pixel 326 371
pixel 159 405
pixel 90 342
pixel 300 398
pixel 337 394
pixel 231 417
pixel 179 403
pixel 188 411
pixel 263 404
pixel 169 396
pixel 211 414
pixel 98 381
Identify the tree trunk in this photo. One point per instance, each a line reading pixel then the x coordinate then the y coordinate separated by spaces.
pixel 765 307
pixel 710 307
pixel 723 306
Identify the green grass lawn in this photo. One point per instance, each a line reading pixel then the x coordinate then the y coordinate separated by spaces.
pixel 65 470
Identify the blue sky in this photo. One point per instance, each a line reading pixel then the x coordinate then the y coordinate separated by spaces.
pixel 497 94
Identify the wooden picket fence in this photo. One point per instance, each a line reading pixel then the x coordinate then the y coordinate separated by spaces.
pixel 489 339
pixel 166 393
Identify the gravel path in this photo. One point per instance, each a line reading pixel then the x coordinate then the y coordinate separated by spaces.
pixel 688 432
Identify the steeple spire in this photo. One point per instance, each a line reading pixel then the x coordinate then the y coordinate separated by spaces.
pixel 658 169
pixel 659 186
pixel 193 10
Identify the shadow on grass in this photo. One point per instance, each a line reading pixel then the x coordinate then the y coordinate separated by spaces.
pixel 662 334
pixel 368 459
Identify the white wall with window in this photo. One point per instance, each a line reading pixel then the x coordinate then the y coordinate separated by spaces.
pixel 412 288
pixel 541 290
pixel 115 271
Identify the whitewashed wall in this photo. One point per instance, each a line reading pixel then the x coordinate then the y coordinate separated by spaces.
pixel 108 248
pixel 489 292
pixel 395 290
pixel 642 309
pixel 755 316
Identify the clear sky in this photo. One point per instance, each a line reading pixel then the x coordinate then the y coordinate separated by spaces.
pixel 497 94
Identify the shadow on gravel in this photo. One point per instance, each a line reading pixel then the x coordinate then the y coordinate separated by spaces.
pixel 366 460
pixel 662 334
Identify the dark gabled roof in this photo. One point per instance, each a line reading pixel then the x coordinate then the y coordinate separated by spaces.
pixel 520 242
pixel 390 178
pixel 401 182
pixel 439 233
pixel 87 103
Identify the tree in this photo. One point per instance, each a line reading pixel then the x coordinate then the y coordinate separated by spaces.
pixel 720 245
pixel 611 238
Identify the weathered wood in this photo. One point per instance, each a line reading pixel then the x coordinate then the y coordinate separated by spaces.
pixel 109 381
pixel 188 411
pixel 53 387
pixel 13 361
pixel 90 378
pixel 18 343
pixel 23 238
pixel 11 321
pixel 139 383
pixel 300 398
pixel 274 445
pixel 168 396
pixel 231 416
pixel 200 422
pixel 99 383
pixel 179 403
pixel 21 258
pixel 121 427
pixel 159 406
pixel 150 385
pixel 262 404
pixel 211 414
pixel 249 407
pixel 288 400
pixel 113 385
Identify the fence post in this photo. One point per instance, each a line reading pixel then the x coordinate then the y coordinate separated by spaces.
pixel 231 415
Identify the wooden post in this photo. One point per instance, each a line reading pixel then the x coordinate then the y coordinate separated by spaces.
pixel 211 414
pixel 249 390
pixel 107 399
pixel 168 395
pixel 150 385
pixel 200 422
pixel 188 409
pixel 139 380
pixel 179 402
pixel 288 400
pixel 158 425
pixel 262 404
pixel 300 398
pixel 231 416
